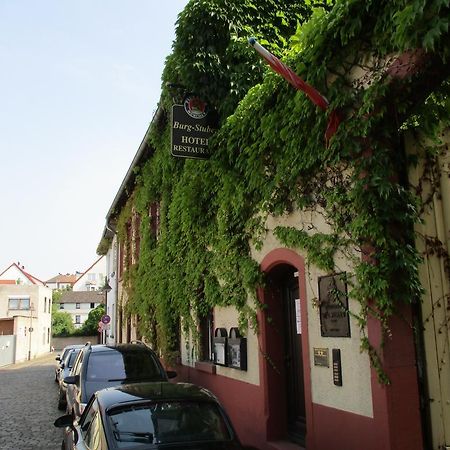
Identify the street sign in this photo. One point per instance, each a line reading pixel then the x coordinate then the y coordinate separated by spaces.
pixel 105 319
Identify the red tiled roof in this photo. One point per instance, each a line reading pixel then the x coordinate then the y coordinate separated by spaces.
pixel 82 297
pixel 32 278
pixel 68 278
pixel 7 282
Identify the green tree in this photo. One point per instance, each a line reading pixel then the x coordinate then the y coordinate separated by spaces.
pixel 90 326
pixel 62 324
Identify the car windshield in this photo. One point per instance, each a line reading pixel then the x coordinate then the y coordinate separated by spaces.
pixel 168 422
pixel 117 366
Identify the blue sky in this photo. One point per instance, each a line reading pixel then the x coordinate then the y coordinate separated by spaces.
pixel 79 83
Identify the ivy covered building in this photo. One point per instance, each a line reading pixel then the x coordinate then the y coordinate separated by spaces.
pixel 301 275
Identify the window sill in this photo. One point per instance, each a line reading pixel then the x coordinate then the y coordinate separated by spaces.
pixel 205 366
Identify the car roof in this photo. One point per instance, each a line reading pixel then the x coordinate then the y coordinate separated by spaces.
pixel 121 348
pixel 68 347
pixel 151 391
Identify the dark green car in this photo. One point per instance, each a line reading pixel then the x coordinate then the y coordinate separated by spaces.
pixel 158 415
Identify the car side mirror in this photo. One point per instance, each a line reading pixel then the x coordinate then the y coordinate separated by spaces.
pixel 58 358
pixel 64 421
pixel 62 365
pixel 72 379
pixel 67 421
pixel 171 373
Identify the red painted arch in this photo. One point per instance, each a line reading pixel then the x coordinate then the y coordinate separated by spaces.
pixel 270 349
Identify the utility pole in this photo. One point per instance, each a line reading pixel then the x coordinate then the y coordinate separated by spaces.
pixel 30 330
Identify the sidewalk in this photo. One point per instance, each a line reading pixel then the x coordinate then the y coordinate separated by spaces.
pixel 41 360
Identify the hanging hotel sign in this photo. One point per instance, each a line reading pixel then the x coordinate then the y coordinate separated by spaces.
pixel 192 126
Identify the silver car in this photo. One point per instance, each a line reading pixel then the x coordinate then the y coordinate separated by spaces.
pixel 60 358
pixel 66 367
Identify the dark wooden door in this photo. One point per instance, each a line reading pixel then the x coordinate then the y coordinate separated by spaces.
pixel 295 396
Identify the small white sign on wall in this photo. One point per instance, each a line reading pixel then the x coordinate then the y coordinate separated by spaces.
pixel 298 316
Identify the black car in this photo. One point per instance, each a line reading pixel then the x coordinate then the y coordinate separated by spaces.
pixel 101 366
pixel 151 416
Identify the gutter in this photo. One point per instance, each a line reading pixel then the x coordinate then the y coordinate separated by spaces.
pixel 109 229
pixel 131 175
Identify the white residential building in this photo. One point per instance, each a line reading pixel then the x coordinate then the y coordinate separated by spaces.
pixel 25 315
pixel 62 281
pixel 16 274
pixel 79 304
pixel 93 279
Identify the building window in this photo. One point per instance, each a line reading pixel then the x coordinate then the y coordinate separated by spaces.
pixel 121 259
pixel 45 304
pixel 77 306
pixel 206 328
pixel 22 303
pixel 78 319
pixel 91 277
pixel 92 305
pixel 136 228
pixel 155 221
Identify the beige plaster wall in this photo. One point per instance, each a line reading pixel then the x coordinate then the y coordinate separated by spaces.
pixel 228 318
pixel 355 395
pixel 436 283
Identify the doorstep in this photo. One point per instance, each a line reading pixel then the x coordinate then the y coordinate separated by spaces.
pixel 284 445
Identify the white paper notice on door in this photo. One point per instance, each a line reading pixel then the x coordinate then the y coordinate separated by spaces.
pixel 298 316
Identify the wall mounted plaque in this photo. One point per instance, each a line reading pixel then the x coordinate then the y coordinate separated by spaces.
pixel 333 301
pixel 321 357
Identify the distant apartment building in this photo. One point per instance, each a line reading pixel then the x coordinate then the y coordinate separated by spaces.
pixel 79 304
pixel 62 281
pixel 25 316
pixel 93 279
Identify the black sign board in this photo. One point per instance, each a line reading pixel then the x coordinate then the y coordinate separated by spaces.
pixel 333 301
pixel 192 126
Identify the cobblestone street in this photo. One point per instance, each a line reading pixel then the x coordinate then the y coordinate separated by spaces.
pixel 28 406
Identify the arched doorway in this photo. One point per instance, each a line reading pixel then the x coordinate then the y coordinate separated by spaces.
pixel 285 347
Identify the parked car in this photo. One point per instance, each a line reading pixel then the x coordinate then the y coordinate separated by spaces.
pixel 101 366
pixel 66 367
pixel 60 358
pixel 151 416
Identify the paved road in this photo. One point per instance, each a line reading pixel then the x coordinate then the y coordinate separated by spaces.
pixel 28 406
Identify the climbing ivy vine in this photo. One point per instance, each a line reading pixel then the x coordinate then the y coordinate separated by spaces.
pixel 269 156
